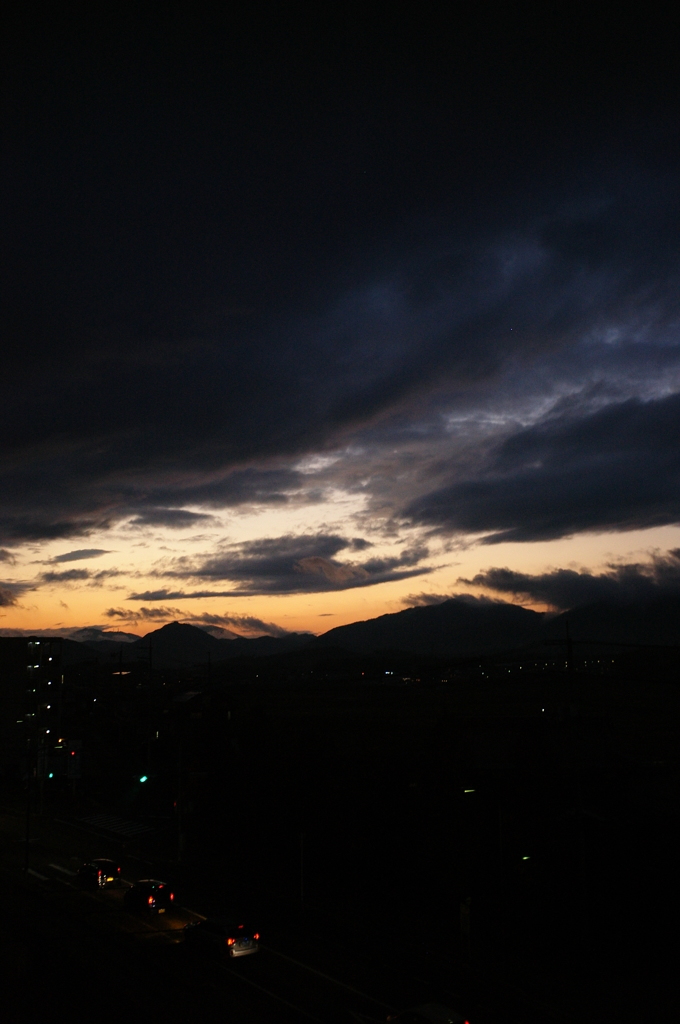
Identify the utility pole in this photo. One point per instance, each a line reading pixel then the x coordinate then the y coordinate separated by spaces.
pixel 27 846
pixel 572 727
pixel 180 833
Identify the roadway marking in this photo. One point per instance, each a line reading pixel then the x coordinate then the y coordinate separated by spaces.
pixel 273 995
pixel 64 871
pixel 36 874
pixel 195 914
pixel 328 977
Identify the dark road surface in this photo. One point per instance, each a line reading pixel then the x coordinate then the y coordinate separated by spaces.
pixel 70 955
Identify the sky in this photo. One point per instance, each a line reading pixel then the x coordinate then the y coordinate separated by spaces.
pixel 310 317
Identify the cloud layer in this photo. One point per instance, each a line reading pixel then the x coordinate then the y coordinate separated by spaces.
pixel 567 588
pixel 457 321
pixel 615 469
pixel 246 279
pixel 290 564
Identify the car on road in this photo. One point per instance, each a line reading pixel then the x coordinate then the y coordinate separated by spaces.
pixel 428 1013
pixel 229 935
pixel 99 873
pixel 149 896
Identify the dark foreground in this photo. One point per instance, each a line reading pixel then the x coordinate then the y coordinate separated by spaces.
pixel 506 848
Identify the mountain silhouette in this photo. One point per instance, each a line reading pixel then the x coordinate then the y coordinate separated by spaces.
pixel 178 644
pixel 462 626
pixel 458 627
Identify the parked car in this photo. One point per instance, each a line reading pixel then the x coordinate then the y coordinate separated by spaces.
pixel 229 935
pixel 99 873
pixel 428 1013
pixel 149 896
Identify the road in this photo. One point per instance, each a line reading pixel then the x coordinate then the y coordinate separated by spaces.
pixel 75 952
pixel 72 933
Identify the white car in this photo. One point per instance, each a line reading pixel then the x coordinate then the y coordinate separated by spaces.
pixel 228 936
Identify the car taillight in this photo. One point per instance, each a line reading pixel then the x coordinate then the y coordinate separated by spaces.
pixel 150 901
pixel 230 942
pixel 172 895
pixel 240 926
pixel 257 935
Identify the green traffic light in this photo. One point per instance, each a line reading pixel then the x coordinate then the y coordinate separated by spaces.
pixel 143 778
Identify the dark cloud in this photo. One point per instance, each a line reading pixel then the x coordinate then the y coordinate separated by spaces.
pixel 616 469
pixel 232 489
pixel 74 556
pixel 7 598
pixel 79 575
pixel 89 633
pixel 294 564
pixel 67 576
pixel 11 591
pixel 176 595
pixel 567 588
pixel 174 518
pixel 246 625
pixel 424 600
pixel 253 250
pixel 243 625
pixel 410 556
pixel 451 318
pixel 6 556
pixel 54 523
pixel 144 614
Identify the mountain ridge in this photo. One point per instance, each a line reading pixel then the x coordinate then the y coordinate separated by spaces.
pixel 459 627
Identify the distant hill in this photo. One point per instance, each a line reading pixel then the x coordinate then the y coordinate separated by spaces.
pixel 262 646
pixel 92 634
pixel 458 627
pixel 180 645
pixel 649 622
pixel 462 626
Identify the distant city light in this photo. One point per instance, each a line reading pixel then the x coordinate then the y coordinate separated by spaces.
pixel 468 790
